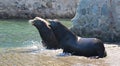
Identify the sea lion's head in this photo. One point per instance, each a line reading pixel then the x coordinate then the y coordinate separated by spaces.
pixel 39 22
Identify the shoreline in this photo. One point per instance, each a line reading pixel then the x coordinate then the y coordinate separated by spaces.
pixel 43 57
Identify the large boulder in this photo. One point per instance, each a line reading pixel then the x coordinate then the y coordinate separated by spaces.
pixel 42 8
pixel 98 18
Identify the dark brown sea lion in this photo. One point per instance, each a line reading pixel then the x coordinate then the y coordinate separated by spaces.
pixel 48 38
pixel 70 43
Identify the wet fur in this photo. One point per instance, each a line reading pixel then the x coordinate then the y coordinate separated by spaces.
pixel 48 38
pixel 55 35
pixel 70 43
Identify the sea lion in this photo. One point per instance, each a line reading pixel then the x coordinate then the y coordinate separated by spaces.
pixel 48 38
pixel 71 43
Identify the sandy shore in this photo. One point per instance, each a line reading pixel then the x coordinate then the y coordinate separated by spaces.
pixel 33 57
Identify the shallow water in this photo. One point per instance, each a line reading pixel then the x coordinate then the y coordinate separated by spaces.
pixel 19 33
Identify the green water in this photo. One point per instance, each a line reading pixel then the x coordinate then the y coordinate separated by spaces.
pixel 19 33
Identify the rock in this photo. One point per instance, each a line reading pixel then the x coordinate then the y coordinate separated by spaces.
pixel 98 18
pixel 41 8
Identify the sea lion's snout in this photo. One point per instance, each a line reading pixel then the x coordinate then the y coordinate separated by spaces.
pixel 31 21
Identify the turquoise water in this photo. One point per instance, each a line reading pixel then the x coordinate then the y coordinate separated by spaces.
pixel 19 33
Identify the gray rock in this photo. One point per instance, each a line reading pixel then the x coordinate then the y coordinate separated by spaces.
pixel 42 8
pixel 98 18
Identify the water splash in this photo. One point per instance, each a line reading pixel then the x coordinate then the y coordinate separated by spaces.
pixel 33 44
pixel 64 54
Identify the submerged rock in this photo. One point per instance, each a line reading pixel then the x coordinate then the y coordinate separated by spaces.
pixel 98 18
